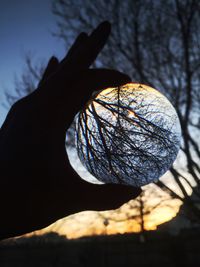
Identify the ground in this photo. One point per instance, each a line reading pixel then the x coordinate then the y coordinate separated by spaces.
pixel 151 249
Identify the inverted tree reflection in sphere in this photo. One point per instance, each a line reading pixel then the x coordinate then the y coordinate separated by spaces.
pixel 128 135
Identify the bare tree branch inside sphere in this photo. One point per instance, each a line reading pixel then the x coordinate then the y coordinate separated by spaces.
pixel 128 135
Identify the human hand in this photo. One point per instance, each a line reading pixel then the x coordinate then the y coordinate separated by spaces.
pixel 38 184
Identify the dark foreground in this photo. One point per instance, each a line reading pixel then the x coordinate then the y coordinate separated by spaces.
pixel 51 250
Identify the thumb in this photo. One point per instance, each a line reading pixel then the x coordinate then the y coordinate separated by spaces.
pixel 70 94
pixel 93 80
pixel 98 79
pixel 107 196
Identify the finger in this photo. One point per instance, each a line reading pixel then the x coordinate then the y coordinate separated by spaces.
pixel 107 196
pixel 84 83
pixel 93 80
pixel 114 196
pixel 50 69
pixel 95 44
pixel 86 49
pixel 70 96
pixel 78 44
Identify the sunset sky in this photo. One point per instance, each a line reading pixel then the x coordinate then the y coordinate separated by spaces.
pixel 26 27
pixel 126 219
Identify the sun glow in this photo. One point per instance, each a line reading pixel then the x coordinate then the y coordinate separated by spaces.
pixel 124 220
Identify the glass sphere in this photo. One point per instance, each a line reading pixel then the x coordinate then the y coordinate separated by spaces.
pixel 128 135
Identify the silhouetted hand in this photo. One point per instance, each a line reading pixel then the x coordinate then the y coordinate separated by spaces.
pixel 38 185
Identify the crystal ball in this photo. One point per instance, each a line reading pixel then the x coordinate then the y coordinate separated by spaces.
pixel 128 135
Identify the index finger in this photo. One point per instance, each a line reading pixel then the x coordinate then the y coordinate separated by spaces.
pixel 95 44
pixel 86 53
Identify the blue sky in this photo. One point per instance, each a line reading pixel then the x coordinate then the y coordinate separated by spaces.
pixel 25 26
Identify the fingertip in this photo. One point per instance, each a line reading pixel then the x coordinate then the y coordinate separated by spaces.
pixel 105 24
pixel 136 191
pixel 103 29
pixel 72 53
pixel 129 190
pixel 53 60
pixel 119 194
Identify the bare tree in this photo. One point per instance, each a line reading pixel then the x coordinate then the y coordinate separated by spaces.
pixel 158 43
pixel 155 42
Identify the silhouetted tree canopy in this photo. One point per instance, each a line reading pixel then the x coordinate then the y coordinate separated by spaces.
pixel 156 43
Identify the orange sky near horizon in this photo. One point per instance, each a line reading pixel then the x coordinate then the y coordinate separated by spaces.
pixel 126 219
